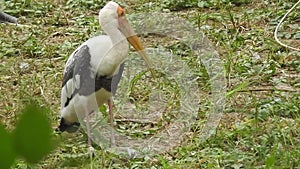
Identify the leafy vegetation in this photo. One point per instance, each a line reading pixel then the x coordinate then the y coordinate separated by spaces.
pixel 261 123
pixel 31 139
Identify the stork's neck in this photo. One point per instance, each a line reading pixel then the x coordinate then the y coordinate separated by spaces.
pixel 118 52
pixel 114 33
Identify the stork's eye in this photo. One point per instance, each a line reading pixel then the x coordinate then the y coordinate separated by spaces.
pixel 120 11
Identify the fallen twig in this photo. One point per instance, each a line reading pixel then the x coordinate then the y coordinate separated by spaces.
pixel 141 121
pixel 7 18
pixel 268 88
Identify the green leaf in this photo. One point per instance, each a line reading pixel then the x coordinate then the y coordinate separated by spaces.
pixel 240 87
pixel 202 4
pixel 270 161
pixel 32 136
pixel 297 35
pixel 7 154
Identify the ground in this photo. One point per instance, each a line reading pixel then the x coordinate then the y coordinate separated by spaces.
pixel 260 124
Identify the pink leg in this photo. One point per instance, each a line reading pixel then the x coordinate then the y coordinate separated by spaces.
pixel 111 120
pixel 88 128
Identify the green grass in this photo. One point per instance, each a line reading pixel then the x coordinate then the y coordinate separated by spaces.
pixel 260 127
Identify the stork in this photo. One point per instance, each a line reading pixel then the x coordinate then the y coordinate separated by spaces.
pixel 94 69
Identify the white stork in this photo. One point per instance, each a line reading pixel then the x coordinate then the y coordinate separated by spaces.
pixel 94 69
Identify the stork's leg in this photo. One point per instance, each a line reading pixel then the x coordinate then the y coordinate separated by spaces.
pixel 88 128
pixel 111 120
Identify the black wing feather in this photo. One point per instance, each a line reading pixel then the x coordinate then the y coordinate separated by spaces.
pixel 116 79
pixel 89 81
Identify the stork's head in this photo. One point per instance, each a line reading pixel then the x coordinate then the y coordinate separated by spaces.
pixel 108 15
pixel 112 15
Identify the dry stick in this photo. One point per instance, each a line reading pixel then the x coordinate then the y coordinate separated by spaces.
pixel 43 94
pixel 136 121
pixel 10 20
pixel 264 89
pixel 279 24
pixel 7 18
pixel 17 24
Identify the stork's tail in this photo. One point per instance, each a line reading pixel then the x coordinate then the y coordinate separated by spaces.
pixel 70 128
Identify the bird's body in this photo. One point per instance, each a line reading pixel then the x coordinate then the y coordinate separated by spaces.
pixel 86 79
pixel 94 69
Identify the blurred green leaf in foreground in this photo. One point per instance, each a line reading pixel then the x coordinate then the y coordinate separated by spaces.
pixel 31 139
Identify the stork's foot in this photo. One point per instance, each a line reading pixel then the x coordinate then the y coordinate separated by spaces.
pixel 92 151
